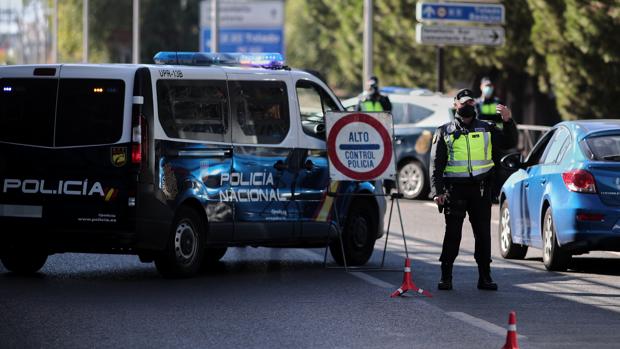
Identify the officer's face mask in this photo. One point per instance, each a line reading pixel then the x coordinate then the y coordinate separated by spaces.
pixel 467 111
pixel 487 91
pixel 374 89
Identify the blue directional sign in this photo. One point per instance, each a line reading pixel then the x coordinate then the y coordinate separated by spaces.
pixel 245 40
pixel 460 12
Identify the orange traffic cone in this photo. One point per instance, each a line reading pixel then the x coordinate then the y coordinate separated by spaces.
pixel 511 335
pixel 408 283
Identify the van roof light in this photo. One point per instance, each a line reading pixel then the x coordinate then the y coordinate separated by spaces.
pixel 270 60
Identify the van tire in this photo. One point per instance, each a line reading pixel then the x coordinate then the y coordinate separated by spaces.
pixel 358 235
pixel 24 262
pixel 185 250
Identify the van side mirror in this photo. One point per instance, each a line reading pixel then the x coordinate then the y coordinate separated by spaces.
pixel 512 161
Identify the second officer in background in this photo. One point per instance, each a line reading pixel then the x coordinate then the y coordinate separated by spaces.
pixel 463 157
pixel 372 99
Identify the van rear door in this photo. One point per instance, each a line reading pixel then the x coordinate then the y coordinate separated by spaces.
pixel 65 151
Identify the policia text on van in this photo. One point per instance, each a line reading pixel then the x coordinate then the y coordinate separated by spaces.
pixel 172 162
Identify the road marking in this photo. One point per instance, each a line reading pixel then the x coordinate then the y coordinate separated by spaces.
pixel 372 280
pixel 472 320
pixel 482 324
pixel 311 254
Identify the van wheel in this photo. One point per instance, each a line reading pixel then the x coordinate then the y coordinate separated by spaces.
pixel 185 250
pixel 554 257
pixel 358 236
pixel 24 262
pixel 213 255
pixel 507 248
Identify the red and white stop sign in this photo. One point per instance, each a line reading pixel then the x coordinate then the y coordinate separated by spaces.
pixel 359 146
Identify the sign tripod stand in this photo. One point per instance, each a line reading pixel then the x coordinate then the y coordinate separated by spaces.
pixel 360 148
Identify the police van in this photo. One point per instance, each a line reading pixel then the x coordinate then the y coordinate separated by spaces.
pixel 173 162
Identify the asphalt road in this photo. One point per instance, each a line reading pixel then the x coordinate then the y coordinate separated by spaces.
pixel 259 297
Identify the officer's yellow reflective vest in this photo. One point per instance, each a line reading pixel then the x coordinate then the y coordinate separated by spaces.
pixel 488 108
pixel 491 110
pixel 369 105
pixel 469 155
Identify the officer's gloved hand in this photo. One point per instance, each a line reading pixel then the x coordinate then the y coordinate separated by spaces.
pixel 440 200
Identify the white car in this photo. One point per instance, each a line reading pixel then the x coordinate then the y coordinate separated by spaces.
pixel 416 113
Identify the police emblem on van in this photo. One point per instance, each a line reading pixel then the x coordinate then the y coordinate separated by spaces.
pixel 118 156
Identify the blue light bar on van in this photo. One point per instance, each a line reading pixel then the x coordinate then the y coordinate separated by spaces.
pixel 272 60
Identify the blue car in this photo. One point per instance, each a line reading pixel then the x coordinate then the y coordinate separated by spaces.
pixel 565 197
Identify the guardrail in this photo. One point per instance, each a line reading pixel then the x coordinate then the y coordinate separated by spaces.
pixel 529 135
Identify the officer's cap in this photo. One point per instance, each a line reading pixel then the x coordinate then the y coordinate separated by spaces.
pixel 463 95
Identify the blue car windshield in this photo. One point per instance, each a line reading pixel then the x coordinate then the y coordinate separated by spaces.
pixel 605 147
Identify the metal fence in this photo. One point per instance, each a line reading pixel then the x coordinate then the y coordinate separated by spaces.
pixel 529 135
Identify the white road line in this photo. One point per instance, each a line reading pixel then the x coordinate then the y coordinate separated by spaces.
pixel 311 254
pixel 474 321
pixel 372 280
pixel 482 324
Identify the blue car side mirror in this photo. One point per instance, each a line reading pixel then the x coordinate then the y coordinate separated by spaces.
pixel 512 161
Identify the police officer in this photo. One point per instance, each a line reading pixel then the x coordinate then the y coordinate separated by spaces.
pixel 487 111
pixel 372 99
pixel 463 158
pixel 488 102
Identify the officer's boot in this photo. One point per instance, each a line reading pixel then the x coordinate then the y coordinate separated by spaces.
pixel 484 278
pixel 446 277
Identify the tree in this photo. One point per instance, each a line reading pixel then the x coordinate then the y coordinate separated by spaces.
pixel 330 33
pixel 580 43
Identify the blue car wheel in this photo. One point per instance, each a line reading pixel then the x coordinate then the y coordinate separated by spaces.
pixel 554 257
pixel 507 247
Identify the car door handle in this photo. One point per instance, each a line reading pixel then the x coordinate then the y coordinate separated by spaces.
pixel 526 185
pixel 280 165
pixel 543 181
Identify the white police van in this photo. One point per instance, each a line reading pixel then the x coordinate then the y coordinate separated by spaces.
pixel 173 162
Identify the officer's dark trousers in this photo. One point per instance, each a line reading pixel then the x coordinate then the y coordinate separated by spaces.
pixel 466 198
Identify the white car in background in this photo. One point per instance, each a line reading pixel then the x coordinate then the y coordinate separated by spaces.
pixel 416 113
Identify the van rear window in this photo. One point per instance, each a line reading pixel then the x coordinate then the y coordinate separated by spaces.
pixel 89 111
pixel 27 108
pixel 81 111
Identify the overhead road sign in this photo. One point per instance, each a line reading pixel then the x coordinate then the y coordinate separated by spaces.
pixel 359 146
pixel 245 14
pixel 460 12
pixel 459 36
pixel 245 26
